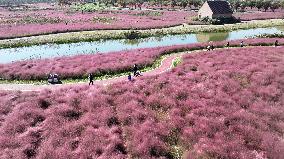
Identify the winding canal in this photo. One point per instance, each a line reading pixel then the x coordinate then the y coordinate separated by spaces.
pixel 105 46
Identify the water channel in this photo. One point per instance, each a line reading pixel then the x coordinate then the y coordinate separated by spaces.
pixel 105 46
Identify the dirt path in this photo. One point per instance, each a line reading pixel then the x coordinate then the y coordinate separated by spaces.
pixel 165 66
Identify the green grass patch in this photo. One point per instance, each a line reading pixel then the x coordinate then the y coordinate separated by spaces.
pixel 89 7
pixel 275 35
pixel 105 20
pixel 177 61
pixel 149 13
pixel 33 20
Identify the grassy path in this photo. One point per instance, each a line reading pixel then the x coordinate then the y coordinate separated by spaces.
pixel 163 64
pixel 166 64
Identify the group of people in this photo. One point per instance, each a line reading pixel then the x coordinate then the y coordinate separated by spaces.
pixel 210 46
pixel 135 70
pixel 136 73
pixel 53 79
pixel 242 44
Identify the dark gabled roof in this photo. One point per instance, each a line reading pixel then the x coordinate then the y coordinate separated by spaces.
pixel 220 7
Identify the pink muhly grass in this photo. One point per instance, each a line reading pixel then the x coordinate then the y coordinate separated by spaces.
pixel 80 65
pixel 79 22
pixel 218 104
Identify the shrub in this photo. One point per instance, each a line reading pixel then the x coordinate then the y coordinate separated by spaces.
pixel 106 20
pixel 220 21
pixel 132 34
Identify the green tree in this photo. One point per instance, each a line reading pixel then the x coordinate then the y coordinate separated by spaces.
pixel 282 4
pixel 236 4
pixel 275 5
pixel 259 4
pixel 64 2
pixel 266 5
pixel 173 3
pixel 184 3
pixel 251 3
pixel 243 5
pixel 197 3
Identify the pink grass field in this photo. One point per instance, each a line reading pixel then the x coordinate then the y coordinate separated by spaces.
pixel 219 104
pixel 25 23
pixel 79 66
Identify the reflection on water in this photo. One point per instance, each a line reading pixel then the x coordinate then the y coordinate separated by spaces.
pixel 104 46
pixel 281 28
pixel 143 40
pixel 205 37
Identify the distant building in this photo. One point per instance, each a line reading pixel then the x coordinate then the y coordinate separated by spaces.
pixel 215 9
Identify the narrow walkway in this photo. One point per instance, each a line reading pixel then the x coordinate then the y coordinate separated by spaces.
pixel 165 66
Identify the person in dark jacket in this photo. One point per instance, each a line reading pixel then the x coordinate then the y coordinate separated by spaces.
pixel 129 77
pixel 50 79
pixel 276 43
pixel 56 79
pixel 135 69
pixel 91 78
pixel 212 47
pixel 228 44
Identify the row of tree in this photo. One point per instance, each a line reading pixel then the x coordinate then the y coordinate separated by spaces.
pixel 19 2
pixel 236 4
pixel 173 3
pixel 260 4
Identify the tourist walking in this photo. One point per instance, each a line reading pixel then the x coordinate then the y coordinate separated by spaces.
pixel 50 79
pixel 129 77
pixel 208 48
pixel 91 78
pixel 56 79
pixel 138 73
pixel 135 69
pixel 212 47
pixel 228 44
pixel 242 44
pixel 276 43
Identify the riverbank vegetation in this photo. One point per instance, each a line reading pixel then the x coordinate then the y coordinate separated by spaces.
pixel 105 65
pixel 88 36
pixel 276 35
pixel 237 5
pixel 223 104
